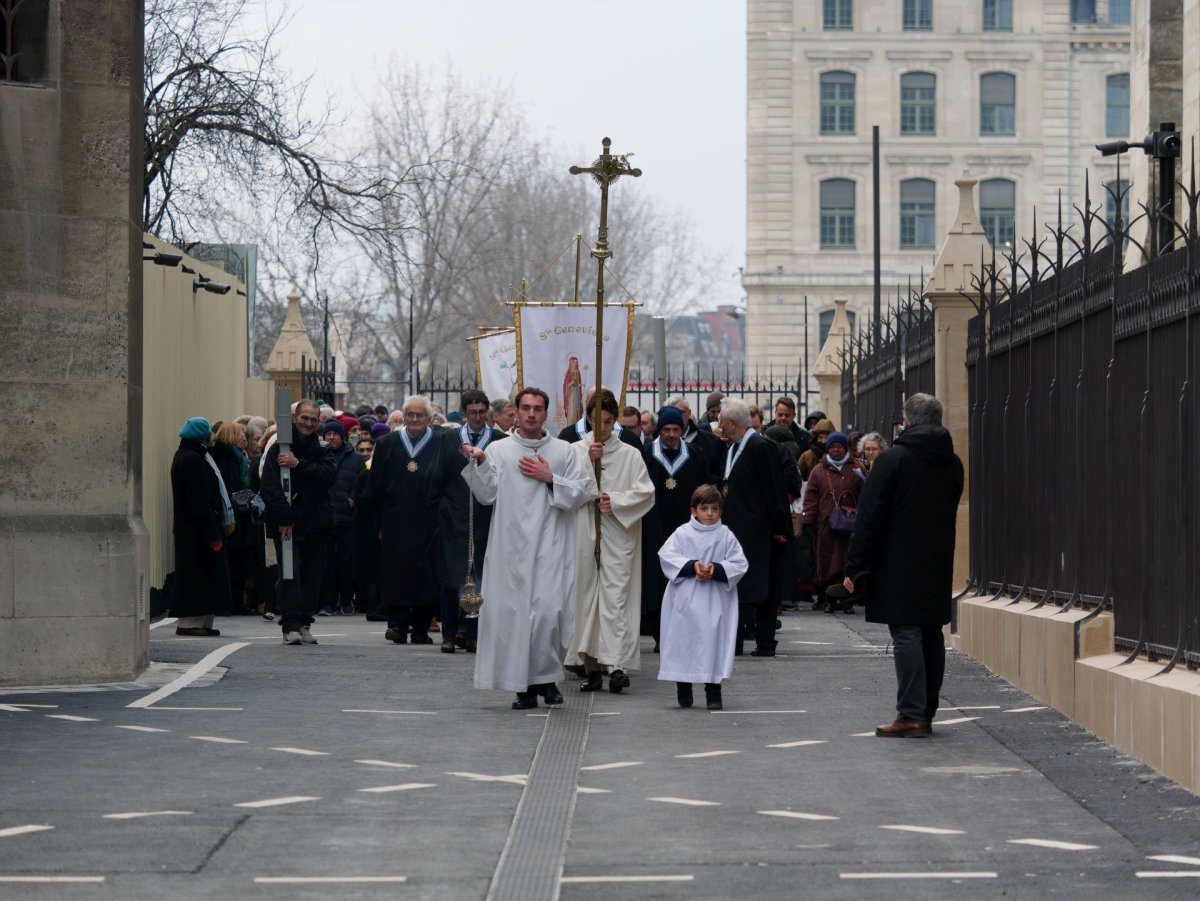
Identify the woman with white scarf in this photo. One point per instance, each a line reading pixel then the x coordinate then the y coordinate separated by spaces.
pixel 833 485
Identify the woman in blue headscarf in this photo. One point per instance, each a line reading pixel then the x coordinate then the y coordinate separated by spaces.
pixel 203 520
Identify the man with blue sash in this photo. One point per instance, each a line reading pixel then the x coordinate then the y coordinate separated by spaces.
pixel 406 485
pixel 454 511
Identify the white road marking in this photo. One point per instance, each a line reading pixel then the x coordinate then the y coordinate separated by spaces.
pixel 138 814
pixel 1168 874
pixel 305 752
pixel 587 790
pixel 407 786
pixel 735 712
pixel 793 815
pixel 799 744
pixel 12 708
pixel 701 754
pixel 862 734
pixel 166 621
pixel 222 741
pixel 22 830
pixel 22 708
pixel 807 642
pixel 143 729
pixel 205 664
pixel 955 721
pixel 606 713
pixel 399 766
pixel 969 874
pixel 689 802
pixel 1050 843
pixel 981 707
pixel 410 712
pixel 222 709
pixel 44 879
pixel 600 879
pixel 541 715
pixel 1176 858
pixel 611 766
pixel 278 802
pixel 1017 709
pixel 326 880
pixel 514 779
pixel 925 830
pixel 77 719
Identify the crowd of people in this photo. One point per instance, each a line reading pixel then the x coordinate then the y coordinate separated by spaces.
pixel 697 532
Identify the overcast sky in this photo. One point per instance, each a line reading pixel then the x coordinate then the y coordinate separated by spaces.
pixel 663 78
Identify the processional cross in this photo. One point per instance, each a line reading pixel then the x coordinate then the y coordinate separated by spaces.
pixel 605 170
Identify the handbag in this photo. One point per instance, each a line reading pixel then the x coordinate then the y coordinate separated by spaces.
pixel 842 518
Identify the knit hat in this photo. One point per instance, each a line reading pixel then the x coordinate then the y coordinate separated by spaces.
pixel 196 429
pixel 348 422
pixel 365 422
pixel 780 433
pixel 713 399
pixel 826 427
pixel 670 416
pixel 332 425
pixel 379 429
pixel 838 438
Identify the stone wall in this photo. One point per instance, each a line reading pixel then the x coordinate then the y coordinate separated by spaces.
pixel 72 545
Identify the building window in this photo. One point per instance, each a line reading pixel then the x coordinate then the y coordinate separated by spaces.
pixel 918 15
pixel 997 15
pixel 998 104
pixel 918 103
pixel 1083 11
pixel 837 214
pixel 1112 190
pixel 1118 12
pixel 1116 106
pixel 837 103
pixel 826 326
pixel 917 213
pixel 839 15
pixel 997 211
pixel 23 40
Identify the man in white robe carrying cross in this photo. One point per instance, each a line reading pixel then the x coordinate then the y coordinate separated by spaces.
pixel 536 483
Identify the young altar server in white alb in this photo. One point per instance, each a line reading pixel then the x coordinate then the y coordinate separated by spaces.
pixel 704 563
pixel 608 602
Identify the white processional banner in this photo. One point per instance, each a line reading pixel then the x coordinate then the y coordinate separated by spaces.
pixel 556 351
pixel 496 363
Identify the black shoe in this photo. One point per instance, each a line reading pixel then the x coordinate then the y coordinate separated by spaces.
pixel 526 700
pixel 683 693
pixel 421 638
pixel 617 680
pixel 399 636
pixel 594 682
pixel 656 651
pixel 576 669
pixel 376 618
pixel 460 641
pixel 552 695
pixel 712 697
pixel 764 650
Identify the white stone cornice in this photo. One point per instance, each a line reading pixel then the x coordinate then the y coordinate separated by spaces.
pixel 999 161
pixel 914 160
pixel 837 159
pixel 998 56
pixel 921 55
pixel 839 55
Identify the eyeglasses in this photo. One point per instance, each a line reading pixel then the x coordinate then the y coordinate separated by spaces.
pixel 409 414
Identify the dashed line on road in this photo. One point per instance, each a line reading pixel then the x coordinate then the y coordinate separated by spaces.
pixel 398 766
pixel 407 786
pixel 1051 843
pixel 72 719
pixel 955 721
pixel 580 880
pixel 687 802
pixel 218 709
pixel 588 790
pixel 736 712
pixel 206 663
pixel 139 814
pixel 216 739
pixel 12 831
pixel 1025 709
pixel 327 880
pixel 143 729
pixel 967 874
pixel 409 712
pixel 1168 874
pixel 278 802
pixel 701 754
pixel 799 744
pixel 1175 858
pixel 795 815
pixel 925 830
pixel 595 767
pixel 303 752
pixel 37 880
pixel 513 779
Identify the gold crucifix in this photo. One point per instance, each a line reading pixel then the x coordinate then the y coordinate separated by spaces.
pixel 606 169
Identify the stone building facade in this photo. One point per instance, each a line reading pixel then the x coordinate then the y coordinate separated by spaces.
pixel 1016 93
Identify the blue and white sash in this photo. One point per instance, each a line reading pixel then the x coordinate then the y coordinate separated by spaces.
pixel 485 437
pixel 671 468
pixel 420 445
pixel 736 452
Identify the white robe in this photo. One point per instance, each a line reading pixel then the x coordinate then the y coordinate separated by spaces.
pixel 608 609
pixel 525 624
pixel 698 629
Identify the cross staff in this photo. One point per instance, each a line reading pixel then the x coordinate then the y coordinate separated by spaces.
pixel 606 170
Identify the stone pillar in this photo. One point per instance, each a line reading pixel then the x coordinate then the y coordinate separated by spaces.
pixel 827 370
pixel 72 542
pixel 1190 124
pixel 291 347
pixel 958 263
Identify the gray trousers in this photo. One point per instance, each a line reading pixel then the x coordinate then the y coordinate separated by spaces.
pixel 920 655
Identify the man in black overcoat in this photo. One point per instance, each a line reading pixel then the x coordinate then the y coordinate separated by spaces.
pixel 756 512
pixel 454 512
pixel 904 538
pixel 406 485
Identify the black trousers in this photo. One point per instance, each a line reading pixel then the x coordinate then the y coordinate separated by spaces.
pixel 920 656
pixel 299 597
pixel 337 587
pixel 757 619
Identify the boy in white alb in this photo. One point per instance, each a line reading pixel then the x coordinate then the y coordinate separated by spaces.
pixel 703 563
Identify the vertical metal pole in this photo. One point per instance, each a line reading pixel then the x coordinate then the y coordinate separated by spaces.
pixel 807 360
pixel 412 379
pixel 877 309
pixel 660 359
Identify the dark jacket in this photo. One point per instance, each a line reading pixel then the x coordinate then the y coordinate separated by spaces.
pixel 828 488
pixel 347 465
pixel 230 460
pixel 310 510
pixel 904 534
pixel 201 584
pixel 755 511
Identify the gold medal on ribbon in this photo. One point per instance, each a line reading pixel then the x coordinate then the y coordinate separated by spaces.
pixel 412 466
pixel 670 483
pixel 725 490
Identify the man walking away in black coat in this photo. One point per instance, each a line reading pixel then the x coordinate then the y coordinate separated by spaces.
pixel 307 520
pixel 904 539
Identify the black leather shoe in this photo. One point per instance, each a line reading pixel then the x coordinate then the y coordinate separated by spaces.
pixel 712 697
pixel 472 645
pixel 595 682
pixel 399 636
pixel 764 650
pixel 575 669
pixel 683 693
pixel 552 695
pixel 421 638
pixel 617 681
pixel 526 700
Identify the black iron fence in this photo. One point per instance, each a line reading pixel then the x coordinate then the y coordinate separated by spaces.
pixel 1083 427
pixel 317 383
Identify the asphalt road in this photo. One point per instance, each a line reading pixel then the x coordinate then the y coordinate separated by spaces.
pixel 358 768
